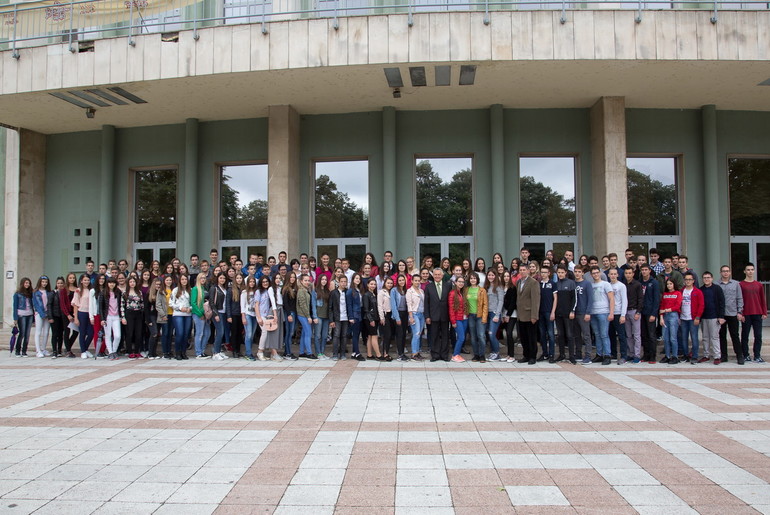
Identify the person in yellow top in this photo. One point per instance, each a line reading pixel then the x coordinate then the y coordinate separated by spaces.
pixel 478 303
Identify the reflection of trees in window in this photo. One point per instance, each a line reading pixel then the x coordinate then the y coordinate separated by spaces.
pixel 545 211
pixel 241 222
pixel 749 181
pixel 652 205
pixel 444 208
pixel 155 205
pixel 336 216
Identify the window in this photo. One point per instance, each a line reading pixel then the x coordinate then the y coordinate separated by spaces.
pixel 652 196
pixel 243 210
pixel 342 209
pixel 444 207
pixel 155 205
pixel 548 205
pixel 653 205
pixel 749 186
pixel 547 196
pixel 155 217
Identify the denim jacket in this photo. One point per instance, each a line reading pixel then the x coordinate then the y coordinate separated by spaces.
pixel 38 304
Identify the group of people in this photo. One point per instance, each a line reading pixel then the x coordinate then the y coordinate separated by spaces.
pixel 589 311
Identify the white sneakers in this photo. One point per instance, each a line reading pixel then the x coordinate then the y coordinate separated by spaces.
pixel 86 355
pixel 261 357
pixel 220 357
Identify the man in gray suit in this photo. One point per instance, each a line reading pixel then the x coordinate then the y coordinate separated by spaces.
pixel 437 315
pixel 528 305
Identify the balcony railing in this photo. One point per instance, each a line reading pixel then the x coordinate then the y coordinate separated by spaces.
pixel 78 22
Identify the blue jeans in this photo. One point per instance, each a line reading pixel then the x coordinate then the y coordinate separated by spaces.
pixel 202 332
pixel 219 332
pixel 689 329
pixel 416 327
pixel 86 335
pixel 321 331
pixel 478 335
pixel 355 334
pixel 600 326
pixel 670 332
pixel 547 339
pixel 304 339
pixel 182 325
pixel 752 323
pixel 290 326
pixel 165 340
pixel 248 340
pixel 492 332
pixel 462 326
pixel 25 326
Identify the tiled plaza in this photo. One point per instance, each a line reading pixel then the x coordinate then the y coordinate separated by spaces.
pixel 132 437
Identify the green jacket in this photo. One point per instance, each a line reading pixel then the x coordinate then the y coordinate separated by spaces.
pixel 303 303
pixel 195 304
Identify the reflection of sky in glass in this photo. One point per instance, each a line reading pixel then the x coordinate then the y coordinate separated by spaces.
pixel 250 181
pixel 446 167
pixel 662 169
pixel 351 177
pixel 558 173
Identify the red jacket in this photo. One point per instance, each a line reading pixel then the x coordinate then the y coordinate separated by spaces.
pixel 671 300
pixel 457 313
pixel 697 303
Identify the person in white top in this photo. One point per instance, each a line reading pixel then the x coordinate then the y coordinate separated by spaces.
pixel 180 303
pixel 617 324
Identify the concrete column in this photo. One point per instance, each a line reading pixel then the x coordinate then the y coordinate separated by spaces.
pixel 497 159
pixel 608 173
pixel 24 231
pixel 717 242
pixel 389 177
pixel 283 178
pixel 189 217
pixel 106 201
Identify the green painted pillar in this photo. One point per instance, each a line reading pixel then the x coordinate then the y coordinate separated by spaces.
pixel 389 189
pixel 716 241
pixel 188 217
pixel 497 159
pixel 106 200
pixel 512 191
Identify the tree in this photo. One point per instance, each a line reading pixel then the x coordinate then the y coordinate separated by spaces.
pixel 652 205
pixel 156 205
pixel 749 182
pixel 444 208
pixel 248 222
pixel 336 216
pixel 545 211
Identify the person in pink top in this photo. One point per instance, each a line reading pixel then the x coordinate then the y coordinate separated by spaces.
pixel 754 311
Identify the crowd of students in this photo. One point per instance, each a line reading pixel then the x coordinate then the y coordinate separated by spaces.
pixel 589 311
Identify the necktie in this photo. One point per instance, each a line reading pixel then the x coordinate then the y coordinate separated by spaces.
pixel 438 289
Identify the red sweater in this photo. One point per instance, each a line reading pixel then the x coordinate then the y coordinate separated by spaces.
pixel 457 313
pixel 671 300
pixel 754 302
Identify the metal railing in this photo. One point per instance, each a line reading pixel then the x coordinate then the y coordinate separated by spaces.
pixel 61 21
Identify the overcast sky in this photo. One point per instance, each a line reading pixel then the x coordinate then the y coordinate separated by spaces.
pixel 250 181
pixel 558 173
pixel 661 169
pixel 351 177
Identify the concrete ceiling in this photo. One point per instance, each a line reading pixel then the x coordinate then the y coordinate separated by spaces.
pixel 514 84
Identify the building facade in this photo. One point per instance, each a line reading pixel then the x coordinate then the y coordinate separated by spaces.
pixel 421 129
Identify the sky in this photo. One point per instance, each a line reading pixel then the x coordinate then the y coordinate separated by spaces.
pixel 351 177
pixel 250 181
pixel 558 173
pixel 661 169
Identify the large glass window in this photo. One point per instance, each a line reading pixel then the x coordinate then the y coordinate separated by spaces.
pixel 749 185
pixel 243 202
pixel 342 209
pixel 749 181
pixel 155 203
pixel 444 188
pixel 342 199
pixel 547 196
pixel 444 207
pixel 652 196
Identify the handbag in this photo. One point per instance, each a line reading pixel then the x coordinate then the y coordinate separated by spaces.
pixel 207 311
pixel 269 323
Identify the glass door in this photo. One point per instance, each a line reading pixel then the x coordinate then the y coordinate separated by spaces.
pixel 750 249
pixel 539 245
pixel 666 245
pixel 351 248
pixel 456 249
pixel 162 251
